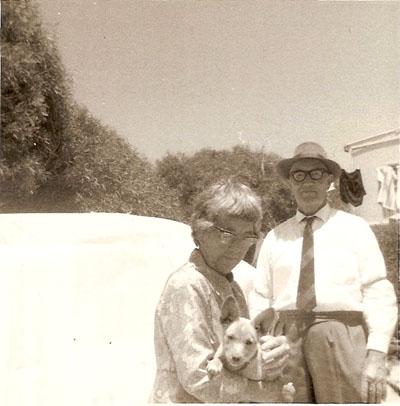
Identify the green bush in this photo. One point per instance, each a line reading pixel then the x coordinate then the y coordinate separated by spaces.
pixel 107 174
pixel 54 156
pixel 35 108
pixel 388 239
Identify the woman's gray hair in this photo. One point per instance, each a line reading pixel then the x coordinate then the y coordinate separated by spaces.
pixel 225 198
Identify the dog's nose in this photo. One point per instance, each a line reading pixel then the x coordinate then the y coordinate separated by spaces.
pixel 235 359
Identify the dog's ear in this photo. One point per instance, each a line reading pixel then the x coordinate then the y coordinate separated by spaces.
pixel 264 322
pixel 229 311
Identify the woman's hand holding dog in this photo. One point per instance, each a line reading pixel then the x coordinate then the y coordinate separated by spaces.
pixel 275 355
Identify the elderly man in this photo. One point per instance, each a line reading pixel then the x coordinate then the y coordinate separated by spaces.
pixel 324 272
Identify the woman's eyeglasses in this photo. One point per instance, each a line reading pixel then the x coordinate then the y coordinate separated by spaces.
pixel 230 237
pixel 315 174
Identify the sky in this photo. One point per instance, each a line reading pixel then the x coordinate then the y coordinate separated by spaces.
pixel 178 76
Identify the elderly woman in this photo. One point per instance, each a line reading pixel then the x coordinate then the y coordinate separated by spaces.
pixel 225 223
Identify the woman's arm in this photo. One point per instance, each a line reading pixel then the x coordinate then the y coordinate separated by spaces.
pixel 188 327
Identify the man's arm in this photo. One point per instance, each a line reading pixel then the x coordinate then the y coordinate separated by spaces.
pixel 380 312
pixel 379 299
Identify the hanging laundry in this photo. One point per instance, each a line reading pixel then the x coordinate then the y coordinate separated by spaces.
pixel 387 187
pixel 351 187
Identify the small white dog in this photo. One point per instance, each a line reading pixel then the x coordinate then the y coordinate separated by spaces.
pixel 240 350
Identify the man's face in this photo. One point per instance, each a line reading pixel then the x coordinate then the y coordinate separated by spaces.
pixel 310 193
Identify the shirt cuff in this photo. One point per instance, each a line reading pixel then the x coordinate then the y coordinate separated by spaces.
pixel 378 342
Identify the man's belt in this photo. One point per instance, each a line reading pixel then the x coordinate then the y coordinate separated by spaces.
pixel 344 316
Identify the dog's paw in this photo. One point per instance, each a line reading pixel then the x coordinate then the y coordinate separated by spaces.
pixel 214 367
pixel 288 392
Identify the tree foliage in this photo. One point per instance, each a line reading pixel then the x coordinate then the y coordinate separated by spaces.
pixel 189 175
pixel 35 103
pixel 54 155
pixel 107 174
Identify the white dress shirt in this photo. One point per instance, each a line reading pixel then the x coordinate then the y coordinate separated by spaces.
pixel 350 272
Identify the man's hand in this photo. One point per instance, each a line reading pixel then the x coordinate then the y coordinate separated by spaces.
pixel 275 355
pixel 374 377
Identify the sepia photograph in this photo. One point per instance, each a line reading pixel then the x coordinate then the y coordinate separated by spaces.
pixel 199 202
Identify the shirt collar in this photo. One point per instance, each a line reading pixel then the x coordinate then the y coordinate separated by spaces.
pixel 322 214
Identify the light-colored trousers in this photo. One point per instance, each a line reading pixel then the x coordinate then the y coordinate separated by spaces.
pixel 328 351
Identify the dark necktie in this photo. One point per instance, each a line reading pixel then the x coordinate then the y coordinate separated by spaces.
pixel 306 289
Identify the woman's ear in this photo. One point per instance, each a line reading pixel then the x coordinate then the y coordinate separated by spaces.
pixel 196 243
pixel 197 237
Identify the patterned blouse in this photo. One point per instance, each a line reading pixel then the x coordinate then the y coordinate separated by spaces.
pixel 187 333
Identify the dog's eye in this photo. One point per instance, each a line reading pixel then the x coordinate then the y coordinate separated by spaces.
pixel 230 337
pixel 249 342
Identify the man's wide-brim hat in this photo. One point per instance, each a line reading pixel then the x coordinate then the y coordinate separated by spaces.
pixel 308 150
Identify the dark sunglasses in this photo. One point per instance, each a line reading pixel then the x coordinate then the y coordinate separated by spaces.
pixel 315 174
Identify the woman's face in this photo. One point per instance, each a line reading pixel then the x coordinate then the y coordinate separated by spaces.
pixel 225 244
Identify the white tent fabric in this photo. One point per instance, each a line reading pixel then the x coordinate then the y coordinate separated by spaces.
pixel 77 300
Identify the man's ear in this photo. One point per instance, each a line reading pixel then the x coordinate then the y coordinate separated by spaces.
pixel 229 311
pixel 264 322
pixel 331 180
